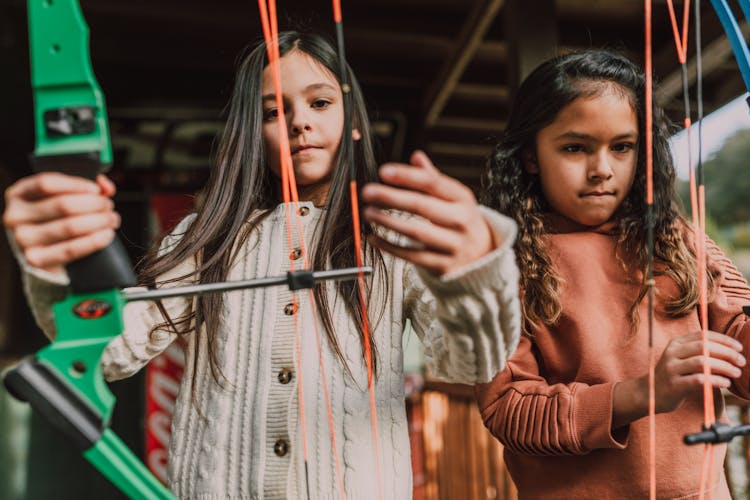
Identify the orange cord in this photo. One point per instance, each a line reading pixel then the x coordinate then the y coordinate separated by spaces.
pixel 680 42
pixel 698 210
pixel 357 228
pixel 366 330
pixel 650 202
pixel 291 199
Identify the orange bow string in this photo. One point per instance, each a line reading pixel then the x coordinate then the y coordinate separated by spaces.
pixel 348 143
pixel 291 200
pixel 269 24
pixel 697 203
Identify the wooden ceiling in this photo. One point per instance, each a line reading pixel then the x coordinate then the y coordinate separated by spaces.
pixel 437 74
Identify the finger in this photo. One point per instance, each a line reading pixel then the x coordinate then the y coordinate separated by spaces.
pixel 427 179
pixel 420 159
pixel 692 343
pixel 432 237
pixel 68 251
pixel 717 345
pixel 696 381
pixel 34 235
pixel 431 261
pixel 714 337
pixel 720 351
pixel 437 211
pixel 106 185
pixel 56 207
pixel 716 366
pixel 49 183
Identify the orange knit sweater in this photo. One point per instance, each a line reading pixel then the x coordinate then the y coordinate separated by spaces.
pixel 552 406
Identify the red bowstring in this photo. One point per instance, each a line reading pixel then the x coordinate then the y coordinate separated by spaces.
pixel 291 198
pixel 698 213
pixel 346 89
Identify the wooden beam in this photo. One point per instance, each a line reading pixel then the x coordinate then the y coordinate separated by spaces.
pixel 405 45
pixel 715 55
pixel 479 21
pixel 471 124
pixel 482 92
pixel 416 46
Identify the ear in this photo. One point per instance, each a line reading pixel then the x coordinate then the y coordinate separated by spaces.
pixel 530 162
pixel 356 135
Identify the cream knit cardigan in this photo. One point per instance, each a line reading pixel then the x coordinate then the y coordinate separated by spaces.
pixel 246 441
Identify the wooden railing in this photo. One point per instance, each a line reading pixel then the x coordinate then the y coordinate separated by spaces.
pixel 453 454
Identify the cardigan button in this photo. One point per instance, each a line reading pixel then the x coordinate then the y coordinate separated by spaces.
pixel 290 309
pixel 281 448
pixel 295 254
pixel 303 211
pixel 285 375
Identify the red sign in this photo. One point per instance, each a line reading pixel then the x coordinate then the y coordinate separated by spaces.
pixel 164 373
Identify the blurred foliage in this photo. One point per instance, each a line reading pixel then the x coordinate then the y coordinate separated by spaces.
pixel 727 180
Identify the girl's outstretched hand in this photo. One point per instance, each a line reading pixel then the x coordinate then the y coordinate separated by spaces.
pixel 679 374
pixel 57 218
pixel 450 231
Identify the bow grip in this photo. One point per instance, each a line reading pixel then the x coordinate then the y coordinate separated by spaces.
pixel 108 268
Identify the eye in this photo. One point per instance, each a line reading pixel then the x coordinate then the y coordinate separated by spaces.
pixel 321 103
pixel 270 114
pixel 573 148
pixel 623 147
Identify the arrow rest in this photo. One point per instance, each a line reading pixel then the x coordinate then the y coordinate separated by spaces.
pixel 717 433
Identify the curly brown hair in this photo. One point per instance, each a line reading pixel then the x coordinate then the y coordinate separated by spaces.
pixel 512 190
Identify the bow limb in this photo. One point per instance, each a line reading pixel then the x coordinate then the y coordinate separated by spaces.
pixel 735 36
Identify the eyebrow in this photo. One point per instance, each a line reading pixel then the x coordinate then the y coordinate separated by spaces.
pixel 579 135
pixel 312 86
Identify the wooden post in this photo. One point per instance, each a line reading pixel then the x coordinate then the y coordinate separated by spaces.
pixel 531 33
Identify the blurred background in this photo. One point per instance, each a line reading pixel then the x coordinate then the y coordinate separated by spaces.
pixel 437 75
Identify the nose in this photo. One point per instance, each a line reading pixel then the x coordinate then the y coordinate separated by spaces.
pixel 600 167
pixel 299 122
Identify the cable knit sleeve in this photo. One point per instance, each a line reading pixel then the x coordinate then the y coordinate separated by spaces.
pixel 725 310
pixel 530 416
pixel 137 344
pixel 468 320
pixel 42 289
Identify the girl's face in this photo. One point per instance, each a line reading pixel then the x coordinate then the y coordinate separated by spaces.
pixel 313 105
pixel 586 158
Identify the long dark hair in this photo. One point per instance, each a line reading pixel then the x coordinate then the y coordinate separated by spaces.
pixel 514 191
pixel 242 191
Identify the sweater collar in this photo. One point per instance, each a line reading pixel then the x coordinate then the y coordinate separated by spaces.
pixel 306 210
pixel 559 224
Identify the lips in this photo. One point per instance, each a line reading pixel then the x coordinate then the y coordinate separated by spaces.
pixel 302 148
pixel 598 194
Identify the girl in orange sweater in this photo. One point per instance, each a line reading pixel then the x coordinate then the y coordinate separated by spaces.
pixel 570 406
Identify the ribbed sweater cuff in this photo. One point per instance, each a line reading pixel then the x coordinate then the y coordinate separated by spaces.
pixel 31 271
pixel 592 417
pixel 492 271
